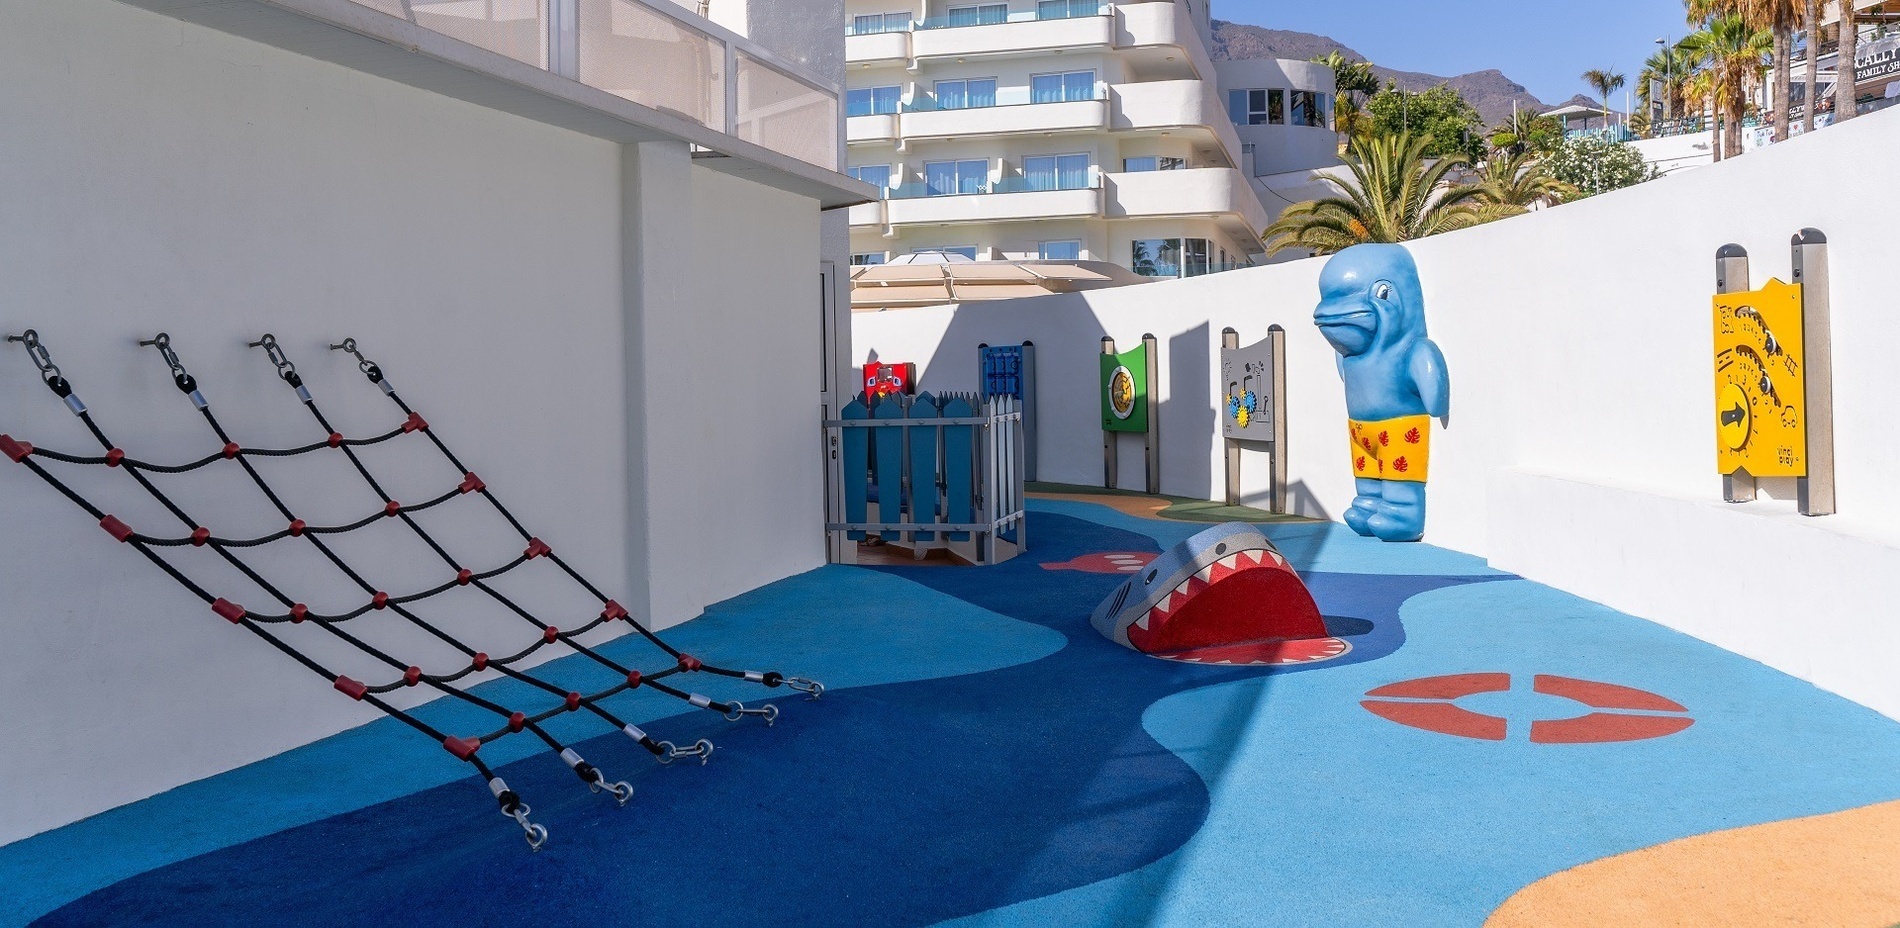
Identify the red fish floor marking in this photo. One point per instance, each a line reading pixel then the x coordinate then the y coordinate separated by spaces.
pixel 1434 709
pixel 1111 562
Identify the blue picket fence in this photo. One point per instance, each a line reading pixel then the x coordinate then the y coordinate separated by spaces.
pixel 930 472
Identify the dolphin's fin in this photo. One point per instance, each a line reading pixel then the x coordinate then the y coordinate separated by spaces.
pixel 1430 376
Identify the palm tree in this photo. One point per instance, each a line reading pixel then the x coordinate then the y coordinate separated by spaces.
pixel 1731 50
pixel 1522 181
pixel 1844 98
pixel 1698 96
pixel 1670 69
pixel 1395 194
pixel 1813 19
pixel 1527 131
pixel 1604 81
pixel 1353 81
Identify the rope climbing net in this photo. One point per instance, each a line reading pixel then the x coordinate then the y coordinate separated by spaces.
pixel 288 610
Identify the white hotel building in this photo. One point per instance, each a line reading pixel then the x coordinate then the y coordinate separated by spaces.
pixel 1059 130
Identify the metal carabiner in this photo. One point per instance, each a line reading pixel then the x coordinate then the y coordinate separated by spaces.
pixel 369 368
pixel 285 369
pixel 622 790
pixel 537 835
pixel 163 343
pixel 812 688
pixel 37 351
pixel 769 712
pixel 701 749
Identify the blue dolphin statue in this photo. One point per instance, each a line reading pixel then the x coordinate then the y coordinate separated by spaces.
pixel 1372 311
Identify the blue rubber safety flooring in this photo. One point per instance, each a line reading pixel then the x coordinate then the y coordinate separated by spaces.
pixel 983 757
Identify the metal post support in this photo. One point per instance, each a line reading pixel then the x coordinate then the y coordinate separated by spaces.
pixel 564 38
pixel 1277 336
pixel 1230 340
pixel 1731 275
pixel 1153 438
pixel 1029 410
pixel 1816 491
pixel 1111 464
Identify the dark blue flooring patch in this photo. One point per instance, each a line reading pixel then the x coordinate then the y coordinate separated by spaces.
pixel 903 804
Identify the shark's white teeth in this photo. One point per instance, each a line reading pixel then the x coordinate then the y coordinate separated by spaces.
pixel 1278 561
pixel 1142 623
pixel 1205 574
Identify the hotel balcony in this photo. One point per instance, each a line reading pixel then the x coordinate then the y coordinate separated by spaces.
pixel 1191 107
pixel 622 70
pixel 985 121
pixel 1160 25
pixel 1221 194
pixel 880 128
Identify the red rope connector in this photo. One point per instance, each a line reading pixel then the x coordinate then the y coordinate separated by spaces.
pixel 412 676
pixel 199 536
pixel 472 483
pixel 573 701
pixel 296 528
pixel 115 528
pixel 518 721
pixel 379 601
pixel 336 439
pixel 15 450
pixel 391 508
pixel 114 456
pixel 463 748
pixel 298 612
pixel 689 662
pixel 414 423
pixel 537 548
pixel 351 688
pixel 480 661
pixel 633 679
pixel 613 611
pixel 549 634
pixel 232 612
pixel 231 450
pixel 463 576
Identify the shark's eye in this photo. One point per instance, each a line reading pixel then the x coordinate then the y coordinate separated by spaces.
pixel 1382 291
pixel 1150 578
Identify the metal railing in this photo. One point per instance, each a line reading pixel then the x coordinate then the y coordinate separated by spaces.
pixel 976 17
pixel 919 190
pixel 654 53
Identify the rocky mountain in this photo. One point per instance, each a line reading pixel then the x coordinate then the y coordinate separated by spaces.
pixel 1490 91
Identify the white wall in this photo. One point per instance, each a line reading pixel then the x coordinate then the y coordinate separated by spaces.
pixel 1579 345
pixel 163 176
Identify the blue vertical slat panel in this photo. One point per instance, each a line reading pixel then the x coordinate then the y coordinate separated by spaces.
pixel 959 453
pixel 856 464
pixel 888 469
pixel 923 465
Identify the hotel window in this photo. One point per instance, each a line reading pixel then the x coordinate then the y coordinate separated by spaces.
pixel 1059 251
pixel 1256 107
pixel 980 15
pixel 1312 109
pixel 966 94
pixel 879 22
pixel 1153 163
pixel 968 251
pixel 868 258
pixel 1170 257
pixel 872 101
pixel 877 175
pixel 1064 9
pixel 947 178
pixel 1065 87
pixel 1056 172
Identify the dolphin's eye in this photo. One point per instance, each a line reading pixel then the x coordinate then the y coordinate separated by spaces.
pixel 1382 291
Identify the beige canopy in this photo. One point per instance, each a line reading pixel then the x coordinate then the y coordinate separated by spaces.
pixel 934 283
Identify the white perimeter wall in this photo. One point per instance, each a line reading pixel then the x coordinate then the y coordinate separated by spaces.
pixel 1581 446
pixel 580 342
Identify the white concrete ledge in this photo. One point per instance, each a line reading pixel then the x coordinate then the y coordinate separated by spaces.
pixel 1807 596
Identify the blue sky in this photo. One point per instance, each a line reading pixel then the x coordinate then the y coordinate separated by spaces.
pixel 1540 44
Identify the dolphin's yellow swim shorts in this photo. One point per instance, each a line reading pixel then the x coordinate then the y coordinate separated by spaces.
pixel 1395 449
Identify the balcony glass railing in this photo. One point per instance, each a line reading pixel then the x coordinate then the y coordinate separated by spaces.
pixel 1049 9
pixel 915 190
pixel 1005 96
pixel 654 53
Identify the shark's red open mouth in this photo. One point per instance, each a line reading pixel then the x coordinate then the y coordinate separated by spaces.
pixel 1248 599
